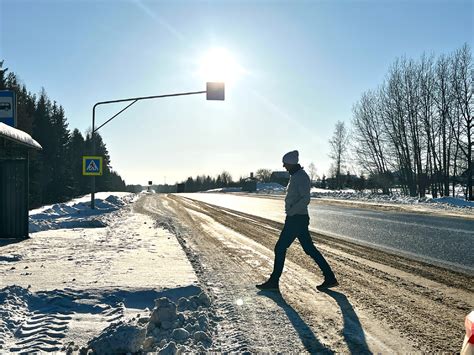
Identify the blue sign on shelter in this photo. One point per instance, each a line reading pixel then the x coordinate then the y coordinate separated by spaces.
pixel 8 108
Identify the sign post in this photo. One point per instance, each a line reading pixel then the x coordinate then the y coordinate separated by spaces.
pixel 8 108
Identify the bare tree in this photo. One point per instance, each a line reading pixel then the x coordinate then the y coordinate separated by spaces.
pixel 370 142
pixel 412 102
pixel 462 90
pixel 312 171
pixel 339 144
pixel 444 105
pixel 419 124
pixel 263 175
pixel 430 127
pixel 225 178
pixel 395 125
pixel 368 134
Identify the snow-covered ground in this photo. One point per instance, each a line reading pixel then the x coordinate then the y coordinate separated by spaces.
pixel 77 213
pixel 105 279
pixel 395 198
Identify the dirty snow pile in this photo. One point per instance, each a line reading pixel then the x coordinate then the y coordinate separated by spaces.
pixel 225 189
pixel 270 188
pixel 169 329
pixel 262 187
pixel 77 213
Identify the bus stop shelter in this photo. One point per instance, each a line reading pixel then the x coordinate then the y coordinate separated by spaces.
pixel 15 146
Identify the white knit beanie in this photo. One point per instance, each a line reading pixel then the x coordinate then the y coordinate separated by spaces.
pixel 291 157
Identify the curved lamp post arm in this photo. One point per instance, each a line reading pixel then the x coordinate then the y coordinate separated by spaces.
pixel 214 91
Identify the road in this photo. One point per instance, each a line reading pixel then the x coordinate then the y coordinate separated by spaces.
pixel 440 240
pixel 386 303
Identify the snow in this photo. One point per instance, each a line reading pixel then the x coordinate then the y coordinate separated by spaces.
pixel 396 198
pixel 18 136
pixel 168 328
pixel 270 188
pixel 116 281
pixel 77 213
pixel 449 203
pixel 225 189
pixel 453 201
pixel 107 279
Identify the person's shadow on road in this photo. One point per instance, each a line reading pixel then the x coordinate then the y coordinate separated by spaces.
pixel 353 332
pixel 308 338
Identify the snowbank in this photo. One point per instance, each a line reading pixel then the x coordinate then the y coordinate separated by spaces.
pixel 169 328
pixel 264 188
pixel 453 201
pixel 396 198
pixel 77 213
pixel 270 188
pixel 225 189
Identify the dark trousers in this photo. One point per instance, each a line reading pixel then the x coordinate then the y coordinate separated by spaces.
pixel 297 227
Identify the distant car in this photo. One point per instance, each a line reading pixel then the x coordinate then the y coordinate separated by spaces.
pixel 6 106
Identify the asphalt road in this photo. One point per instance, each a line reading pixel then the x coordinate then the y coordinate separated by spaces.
pixel 439 240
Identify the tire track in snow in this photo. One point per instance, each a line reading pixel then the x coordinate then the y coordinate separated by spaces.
pixel 38 322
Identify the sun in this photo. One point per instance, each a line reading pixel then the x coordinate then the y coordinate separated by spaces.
pixel 218 64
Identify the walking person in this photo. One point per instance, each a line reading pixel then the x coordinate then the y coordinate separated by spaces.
pixel 296 226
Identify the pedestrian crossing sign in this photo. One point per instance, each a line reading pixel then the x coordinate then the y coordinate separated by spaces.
pixel 92 165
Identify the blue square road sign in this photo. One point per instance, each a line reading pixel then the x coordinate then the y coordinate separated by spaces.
pixel 92 165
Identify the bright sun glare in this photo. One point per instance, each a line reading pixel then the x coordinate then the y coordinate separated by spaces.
pixel 218 64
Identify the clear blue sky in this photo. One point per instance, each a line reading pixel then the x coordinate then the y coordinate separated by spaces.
pixel 305 64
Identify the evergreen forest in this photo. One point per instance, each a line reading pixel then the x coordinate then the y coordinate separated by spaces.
pixel 56 170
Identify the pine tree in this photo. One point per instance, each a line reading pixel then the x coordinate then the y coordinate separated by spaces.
pixel 41 170
pixel 77 149
pixel 60 186
pixel 25 110
pixel 3 73
pixel 55 171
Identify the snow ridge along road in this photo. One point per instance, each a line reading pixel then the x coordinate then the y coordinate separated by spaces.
pixel 386 303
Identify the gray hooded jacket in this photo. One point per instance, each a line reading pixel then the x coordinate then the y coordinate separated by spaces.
pixel 298 194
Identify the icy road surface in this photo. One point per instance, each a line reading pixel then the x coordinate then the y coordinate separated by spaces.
pixel 440 240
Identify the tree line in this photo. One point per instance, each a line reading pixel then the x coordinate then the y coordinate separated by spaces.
pixel 204 182
pixel 416 129
pixel 56 170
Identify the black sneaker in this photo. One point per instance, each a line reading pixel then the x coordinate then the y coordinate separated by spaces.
pixel 269 285
pixel 328 284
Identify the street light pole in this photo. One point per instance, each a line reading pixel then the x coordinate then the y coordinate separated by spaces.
pixel 214 91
